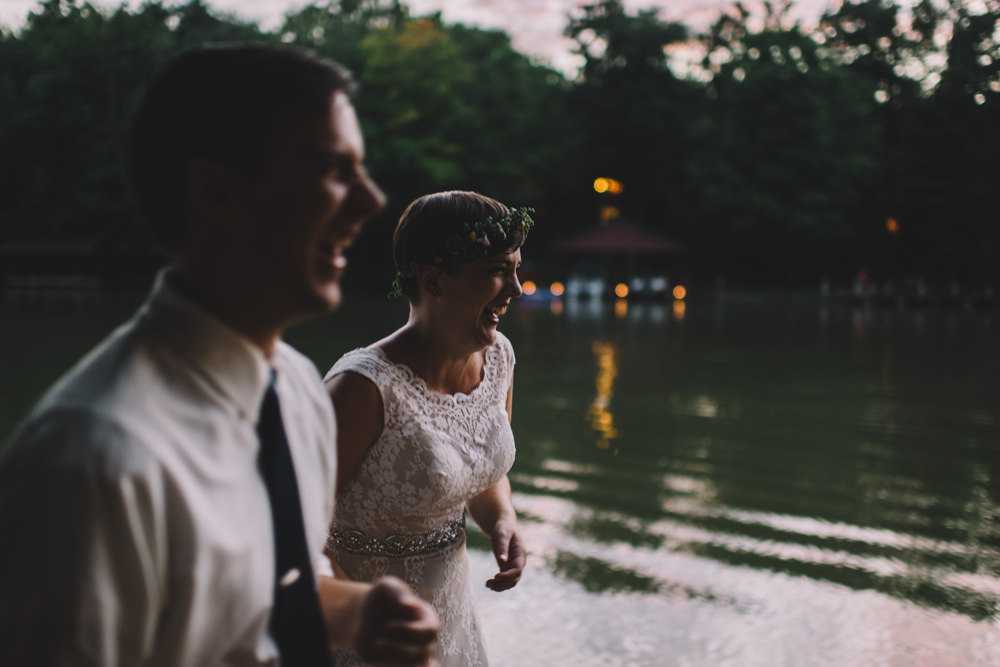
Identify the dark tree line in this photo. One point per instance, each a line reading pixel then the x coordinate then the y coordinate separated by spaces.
pixel 778 159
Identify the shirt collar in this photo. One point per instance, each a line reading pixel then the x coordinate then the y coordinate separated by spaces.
pixel 234 365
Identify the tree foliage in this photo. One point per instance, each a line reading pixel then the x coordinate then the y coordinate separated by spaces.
pixel 442 106
pixel 779 159
pixel 937 115
pixel 785 152
pixel 70 81
pixel 630 111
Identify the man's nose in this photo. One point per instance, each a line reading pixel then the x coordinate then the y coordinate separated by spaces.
pixel 370 196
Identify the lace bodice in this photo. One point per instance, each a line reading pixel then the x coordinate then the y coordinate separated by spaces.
pixel 436 450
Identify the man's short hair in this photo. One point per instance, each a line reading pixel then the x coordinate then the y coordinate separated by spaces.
pixel 224 103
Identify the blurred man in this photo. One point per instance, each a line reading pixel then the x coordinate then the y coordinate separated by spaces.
pixel 142 501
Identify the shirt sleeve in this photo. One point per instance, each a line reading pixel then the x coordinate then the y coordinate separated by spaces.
pixel 321 565
pixel 83 546
pixel 312 428
pixel 322 568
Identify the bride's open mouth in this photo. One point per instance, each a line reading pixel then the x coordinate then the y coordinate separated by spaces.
pixel 493 313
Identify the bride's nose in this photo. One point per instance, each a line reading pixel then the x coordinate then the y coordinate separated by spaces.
pixel 514 286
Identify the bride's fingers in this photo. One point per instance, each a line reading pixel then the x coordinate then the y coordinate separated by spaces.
pixel 504 580
pixel 510 557
pixel 500 585
pixel 515 556
pixel 501 542
pixel 507 548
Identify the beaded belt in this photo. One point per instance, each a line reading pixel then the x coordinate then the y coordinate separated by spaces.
pixel 355 541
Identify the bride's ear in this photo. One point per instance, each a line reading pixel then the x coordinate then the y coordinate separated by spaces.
pixel 429 277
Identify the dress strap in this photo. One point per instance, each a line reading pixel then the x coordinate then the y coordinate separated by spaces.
pixel 364 361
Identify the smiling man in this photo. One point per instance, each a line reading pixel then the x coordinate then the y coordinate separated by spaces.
pixel 139 500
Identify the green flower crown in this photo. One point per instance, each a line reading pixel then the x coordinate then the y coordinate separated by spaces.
pixel 472 242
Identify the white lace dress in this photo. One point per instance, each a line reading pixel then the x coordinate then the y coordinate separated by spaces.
pixel 402 512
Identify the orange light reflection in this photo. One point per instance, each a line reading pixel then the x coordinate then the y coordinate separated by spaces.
pixel 598 415
pixel 621 308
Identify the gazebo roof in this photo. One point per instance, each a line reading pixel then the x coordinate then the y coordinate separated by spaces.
pixel 620 237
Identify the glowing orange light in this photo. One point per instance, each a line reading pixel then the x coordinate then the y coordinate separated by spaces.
pixel 529 287
pixel 621 290
pixel 621 308
pixel 609 185
pixel 892 225
pixel 680 292
pixel 557 288
pixel 679 307
pixel 608 213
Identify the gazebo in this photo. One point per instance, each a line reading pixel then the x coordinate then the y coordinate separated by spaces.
pixel 620 251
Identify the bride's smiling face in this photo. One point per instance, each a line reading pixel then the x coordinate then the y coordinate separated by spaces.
pixel 478 294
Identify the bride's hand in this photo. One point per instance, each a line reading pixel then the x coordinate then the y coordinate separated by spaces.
pixel 508 549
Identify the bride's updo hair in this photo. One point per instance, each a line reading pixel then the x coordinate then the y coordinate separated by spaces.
pixel 449 229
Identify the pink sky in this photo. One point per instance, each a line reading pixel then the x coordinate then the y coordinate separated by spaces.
pixel 535 25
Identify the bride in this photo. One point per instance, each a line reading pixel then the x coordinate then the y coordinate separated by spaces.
pixel 424 418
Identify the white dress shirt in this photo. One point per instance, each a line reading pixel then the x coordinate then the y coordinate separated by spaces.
pixel 135 528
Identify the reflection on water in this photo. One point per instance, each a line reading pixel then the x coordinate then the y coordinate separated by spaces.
pixel 794 482
pixel 621 308
pixel 775 460
pixel 598 415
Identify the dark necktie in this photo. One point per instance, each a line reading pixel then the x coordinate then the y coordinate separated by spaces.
pixel 296 620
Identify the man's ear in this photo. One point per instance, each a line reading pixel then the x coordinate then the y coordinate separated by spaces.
pixel 429 278
pixel 212 189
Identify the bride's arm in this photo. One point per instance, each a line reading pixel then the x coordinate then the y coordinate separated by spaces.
pixel 358 407
pixel 385 622
pixel 338 571
pixel 493 511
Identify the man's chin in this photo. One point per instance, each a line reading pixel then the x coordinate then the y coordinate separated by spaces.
pixel 323 281
pixel 317 297
pixel 331 296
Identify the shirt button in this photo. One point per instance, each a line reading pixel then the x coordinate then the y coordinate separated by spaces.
pixel 290 577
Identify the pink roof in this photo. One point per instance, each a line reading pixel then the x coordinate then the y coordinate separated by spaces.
pixel 619 237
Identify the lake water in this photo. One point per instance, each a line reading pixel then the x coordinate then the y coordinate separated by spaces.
pixel 744 480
